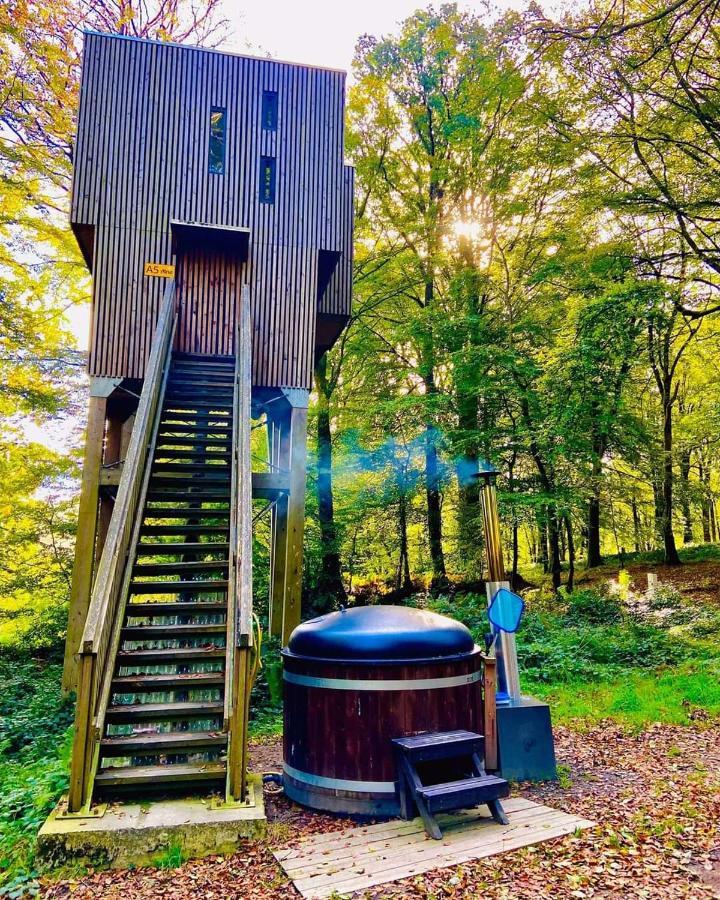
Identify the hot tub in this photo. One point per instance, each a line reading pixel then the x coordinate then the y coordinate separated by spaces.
pixel 356 679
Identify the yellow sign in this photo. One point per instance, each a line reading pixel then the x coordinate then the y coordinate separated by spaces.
pixel 159 270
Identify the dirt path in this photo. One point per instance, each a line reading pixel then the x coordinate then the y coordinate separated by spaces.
pixel 656 797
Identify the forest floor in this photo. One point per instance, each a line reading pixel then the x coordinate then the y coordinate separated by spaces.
pixel 655 795
pixel 700 580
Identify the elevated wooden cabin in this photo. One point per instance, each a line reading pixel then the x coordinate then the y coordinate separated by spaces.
pixel 213 208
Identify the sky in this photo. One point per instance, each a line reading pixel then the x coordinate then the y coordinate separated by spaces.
pixel 320 32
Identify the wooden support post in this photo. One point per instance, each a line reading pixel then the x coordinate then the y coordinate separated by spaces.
pixel 237 751
pixel 489 713
pixel 295 521
pixel 81 584
pixel 279 440
pixel 111 456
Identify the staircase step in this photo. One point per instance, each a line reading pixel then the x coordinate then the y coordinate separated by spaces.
pixel 209 467
pixel 440 745
pixel 128 684
pixel 191 397
pixel 174 456
pixel 170 742
pixel 181 357
pixel 117 715
pixel 204 495
pixel 169 655
pixel 175 549
pixel 206 475
pixel 159 632
pixel 198 608
pixel 465 793
pixel 193 437
pixel 183 512
pixel 184 383
pixel 180 529
pixel 196 408
pixel 179 568
pixel 172 414
pixel 131 776
pixel 178 587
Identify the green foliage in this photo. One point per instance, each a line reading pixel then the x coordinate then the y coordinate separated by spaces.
pixel 172 858
pixel 592 637
pixel 35 743
pixel 591 607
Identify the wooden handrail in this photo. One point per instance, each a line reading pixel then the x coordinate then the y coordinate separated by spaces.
pixel 239 610
pixel 111 578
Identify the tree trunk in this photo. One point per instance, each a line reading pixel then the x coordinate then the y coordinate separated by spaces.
pixel 330 585
pixel 594 557
pixel 636 524
pixel 686 508
pixel 704 475
pixel 571 554
pixel 658 510
pixel 543 540
pixel 434 507
pixel 403 579
pixel 554 541
pixel 671 554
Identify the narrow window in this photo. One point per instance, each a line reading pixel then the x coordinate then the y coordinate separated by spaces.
pixel 216 149
pixel 267 179
pixel 270 110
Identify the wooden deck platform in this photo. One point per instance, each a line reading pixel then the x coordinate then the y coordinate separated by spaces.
pixel 362 857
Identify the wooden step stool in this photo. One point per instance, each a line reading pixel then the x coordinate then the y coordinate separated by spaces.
pixel 456 751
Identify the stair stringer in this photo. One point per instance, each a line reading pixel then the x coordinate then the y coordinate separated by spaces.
pixel 107 675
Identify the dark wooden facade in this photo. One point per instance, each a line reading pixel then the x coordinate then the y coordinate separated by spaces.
pixel 143 171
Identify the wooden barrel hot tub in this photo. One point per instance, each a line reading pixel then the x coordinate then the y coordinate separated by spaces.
pixel 356 679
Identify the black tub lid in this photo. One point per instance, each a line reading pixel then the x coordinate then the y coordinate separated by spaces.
pixel 366 633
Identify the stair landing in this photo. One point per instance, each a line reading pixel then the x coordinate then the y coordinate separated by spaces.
pixel 139 834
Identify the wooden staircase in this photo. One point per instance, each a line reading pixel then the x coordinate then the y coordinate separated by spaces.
pixel 166 660
pixel 163 725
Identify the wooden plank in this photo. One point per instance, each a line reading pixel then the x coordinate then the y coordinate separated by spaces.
pixel 331 841
pixel 81 585
pixel 362 858
pixel 401 847
pixel 490 713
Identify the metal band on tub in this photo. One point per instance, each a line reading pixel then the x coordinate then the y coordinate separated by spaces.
pixel 354 684
pixel 340 784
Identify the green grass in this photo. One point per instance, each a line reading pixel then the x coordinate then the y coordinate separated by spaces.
pixel 637 699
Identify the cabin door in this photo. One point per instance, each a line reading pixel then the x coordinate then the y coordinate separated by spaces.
pixel 208 286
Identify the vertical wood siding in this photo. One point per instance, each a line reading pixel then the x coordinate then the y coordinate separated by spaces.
pixel 142 161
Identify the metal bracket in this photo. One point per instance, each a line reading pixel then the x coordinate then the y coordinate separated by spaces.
pixel 88 811
pixel 228 803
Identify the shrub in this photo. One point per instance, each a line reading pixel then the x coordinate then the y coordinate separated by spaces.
pixel 594 607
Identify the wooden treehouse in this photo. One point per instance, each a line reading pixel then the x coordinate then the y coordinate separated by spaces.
pixel 213 208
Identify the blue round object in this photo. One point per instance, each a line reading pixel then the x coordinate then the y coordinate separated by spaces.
pixel 367 634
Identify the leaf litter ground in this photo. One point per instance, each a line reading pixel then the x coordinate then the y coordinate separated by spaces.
pixel 656 795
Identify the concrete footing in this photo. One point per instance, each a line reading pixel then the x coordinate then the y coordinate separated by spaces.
pixel 141 834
